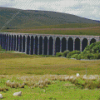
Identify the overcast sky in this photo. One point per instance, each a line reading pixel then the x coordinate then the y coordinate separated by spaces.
pixel 84 8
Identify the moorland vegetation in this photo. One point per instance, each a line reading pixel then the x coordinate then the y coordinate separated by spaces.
pixel 90 52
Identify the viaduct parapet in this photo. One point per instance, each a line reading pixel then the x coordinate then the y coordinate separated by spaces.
pixel 44 44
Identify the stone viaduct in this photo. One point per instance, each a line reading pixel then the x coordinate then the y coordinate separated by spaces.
pixel 44 44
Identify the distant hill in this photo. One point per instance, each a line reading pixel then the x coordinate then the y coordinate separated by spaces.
pixel 35 18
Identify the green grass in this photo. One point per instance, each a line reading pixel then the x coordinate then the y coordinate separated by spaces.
pixel 69 25
pixel 58 90
pixel 30 69
pixel 35 64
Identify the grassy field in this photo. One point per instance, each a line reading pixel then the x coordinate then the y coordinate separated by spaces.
pixel 61 31
pixel 12 63
pixel 47 78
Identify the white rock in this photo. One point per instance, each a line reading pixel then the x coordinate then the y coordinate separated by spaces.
pixel 1 96
pixel 8 81
pixel 85 77
pixel 17 93
pixel 77 74
pixel 71 77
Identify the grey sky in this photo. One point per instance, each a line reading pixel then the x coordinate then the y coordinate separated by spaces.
pixel 84 8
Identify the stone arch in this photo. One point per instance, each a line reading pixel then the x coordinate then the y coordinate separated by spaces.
pixel 36 45
pixel 45 45
pixel 70 44
pixel 24 44
pixel 50 46
pixel 92 41
pixel 40 45
pixel 32 44
pixel 77 44
pixel 28 45
pixel 84 43
pixel 57 43
pixel 63 44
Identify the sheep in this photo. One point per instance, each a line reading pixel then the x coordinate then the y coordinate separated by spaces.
pixel 1 96
pixel 17 93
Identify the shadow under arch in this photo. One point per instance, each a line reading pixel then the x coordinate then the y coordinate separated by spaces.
pixel 28 45
pixel 14 42
pixel 77 44
pixel 32 45
pixel 45 45
pixel 36 45
pixel 9 42
pixel 84 43
pixel 50 46
pixel 24 44
pixel 40 45
pixel 92 41
pixel 6 46
pixel 57 43
pixel 20 47
pixel 70 44
pixel 0 39
pixel 63 44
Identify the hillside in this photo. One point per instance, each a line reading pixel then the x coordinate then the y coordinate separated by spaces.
pixel 34 18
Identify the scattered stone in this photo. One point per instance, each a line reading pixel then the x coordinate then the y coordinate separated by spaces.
pixel 85 77
pixel 17 93
pixel 71 77
pixel 1 96
pixel 77 74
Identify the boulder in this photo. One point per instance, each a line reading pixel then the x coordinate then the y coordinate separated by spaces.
pixel 77 74
pixel 1 96
pixel 17 93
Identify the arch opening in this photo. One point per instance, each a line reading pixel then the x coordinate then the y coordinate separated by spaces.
pixel 40 45
pixel 70 44
pixel 9 42
pixel 63 44
pixel 50 46
pixel 92 41
pixel 45 45
pixel 23 43
pixel 17 42
pixel 32 43
pixel 20 43
pixel 84 43
pixel 57 44
pixel 36 45
pixel 77 44
pixel 28 45
pixel 14 42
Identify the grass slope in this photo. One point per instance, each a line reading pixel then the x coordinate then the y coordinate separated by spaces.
pixel 33 18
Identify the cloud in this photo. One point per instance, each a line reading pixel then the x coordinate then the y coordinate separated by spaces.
pixel 85 8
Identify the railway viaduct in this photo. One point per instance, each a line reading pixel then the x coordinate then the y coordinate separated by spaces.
pixel 44 44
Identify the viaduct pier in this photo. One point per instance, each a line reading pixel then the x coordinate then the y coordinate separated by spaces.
pixel 44 44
